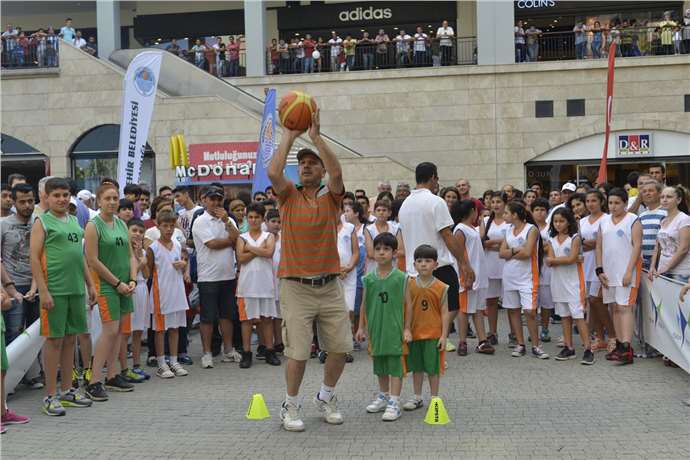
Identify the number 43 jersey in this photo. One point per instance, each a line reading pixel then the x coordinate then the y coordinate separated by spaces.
pixel 113 250
pixel 63 257
pixel 427 303
pixel 384 306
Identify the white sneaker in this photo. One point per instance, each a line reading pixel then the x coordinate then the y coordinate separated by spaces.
pixel 290 416
pixel 329 410
pixel 179 370
pixel 232 357
pixel 378 404
pixel 207 362
pixel 392 412
pixel 164 372
pixel 413 404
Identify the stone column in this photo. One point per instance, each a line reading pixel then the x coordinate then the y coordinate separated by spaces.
pixel 495 36
pixel 255 36
pixel 467 18
pixel 108 23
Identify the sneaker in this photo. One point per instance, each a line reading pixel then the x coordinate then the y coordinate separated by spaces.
pixel 470 333
pixel 53 407
pixel 118 383
pixel 74 399
pixel 378 404
pixel 587 358
pixel 246 361
pixel 323 356
pixel 77 376
pixel 518 351
pixel 614 355
pixel 449 346
pixel 233 356
pixel 3 430
pixel 626 356
pixel 185 359
pixel 329 410
pixel 207 362
pixel 612 345
pixel 151 361
pixel 313 352
pixel 290 416
pixel 261 352
pixel 11 418
pixel 36 383
pixel 130 376
pixel 272 358
pixel 565 354
pixel 88 373
pixel 492 339
pixel 140 371
pixel 539 353
pixel 544 336
pixel 413 404
pixel 279 348
pixel 512 341
pixel 485 348
pixel 96 392
pixel 392 412
pixel 178 370
pixel 164 372
pixel 462 349
pixel 349 358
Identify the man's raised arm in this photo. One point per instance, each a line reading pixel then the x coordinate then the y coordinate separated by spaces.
pixel 277 167
pixel 330 161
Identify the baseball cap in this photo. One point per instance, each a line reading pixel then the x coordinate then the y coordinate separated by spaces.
pixel 214 191
pixel 73 201
pixel 84 195
pixel 569 186
pixel 304 152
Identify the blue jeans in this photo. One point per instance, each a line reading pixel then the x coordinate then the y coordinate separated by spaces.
pixel 580 50
pixel 234 67
pixel 350 62
pixel 308 65
pixel 596 49
pixel 420 58
pixel 368 61
pixel 20 315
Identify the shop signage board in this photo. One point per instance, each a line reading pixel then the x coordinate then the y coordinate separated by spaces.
pixel 229 162
pixel 634 145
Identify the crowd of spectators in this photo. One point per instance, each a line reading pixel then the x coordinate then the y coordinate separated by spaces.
pixel 666 36
pixel 213 54
pixel 42 47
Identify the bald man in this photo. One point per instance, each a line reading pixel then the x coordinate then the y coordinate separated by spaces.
pixel 463 186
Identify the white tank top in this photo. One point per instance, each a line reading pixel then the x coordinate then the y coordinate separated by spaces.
pixel 140 274
pixel 393 228
pixel 167 289
pixel 589 231
pixel 545 274
pixel 567 281
pixel 345 251
pixel 276 264
pixel 256 277
pixel 475 254
pixel 494 264
pixel 519 274
pixel 617 247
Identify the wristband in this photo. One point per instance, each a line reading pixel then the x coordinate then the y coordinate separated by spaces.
pixel 11 283
pixel 599 271
pixel 118 284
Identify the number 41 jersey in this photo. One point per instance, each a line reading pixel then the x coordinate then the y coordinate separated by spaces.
pixel 384 306
pixel 63 257
pixel 113 250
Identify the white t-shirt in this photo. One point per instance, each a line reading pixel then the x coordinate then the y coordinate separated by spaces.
pixel 154 234
pixel 79 42
pixel 256 277
pixel 567 281
pixel 335 45
pixel 420 41
pixel 616 244
pixel 422 216
pixel 521 274
pixel 475 255
pixel 669 239
pixel 494 264
pixel 446 35
pixel 213 264
pixel 184 220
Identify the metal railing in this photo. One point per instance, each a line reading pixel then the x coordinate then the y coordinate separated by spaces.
pixel 372 56
pixel 594 44
pixel 33 52
pixel 216 63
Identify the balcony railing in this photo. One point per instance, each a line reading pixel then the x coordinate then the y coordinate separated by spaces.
pixel 30 53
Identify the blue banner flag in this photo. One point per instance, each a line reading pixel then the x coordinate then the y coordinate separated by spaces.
pixel 267 145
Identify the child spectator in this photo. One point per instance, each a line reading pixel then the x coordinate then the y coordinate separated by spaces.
pixel 426 324
pixel 125 210
pixel 348 251
pixel 141 317
pixel 167 262
pixel 381 319
pixel 255 288
pixel 59 269
pixel 540 209
pixel 382 213
pixel 273 226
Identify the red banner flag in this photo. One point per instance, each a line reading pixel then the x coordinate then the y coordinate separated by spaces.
pixel 602 177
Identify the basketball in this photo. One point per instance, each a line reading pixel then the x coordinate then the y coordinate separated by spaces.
pixel 295 110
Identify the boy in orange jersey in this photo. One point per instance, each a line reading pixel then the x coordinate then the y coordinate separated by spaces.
pixel 426 324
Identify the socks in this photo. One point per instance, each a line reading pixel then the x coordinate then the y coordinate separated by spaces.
pixel 161 361
pixel 294 400
pixel 208 355
pixel 418 397
pixel 326 392
pixel 173 360
pixel 395 399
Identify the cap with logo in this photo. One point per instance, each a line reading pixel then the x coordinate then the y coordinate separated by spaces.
pixel 214 191
pixel 85 195
pixel 569 187
pixel 304 152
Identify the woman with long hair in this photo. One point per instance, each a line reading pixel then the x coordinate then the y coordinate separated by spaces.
pixel 108 255
pixel 450 195
pixel 673 240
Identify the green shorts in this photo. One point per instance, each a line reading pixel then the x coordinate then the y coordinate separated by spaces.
pixel 389 365
pixel 112 306
pixel 67 317
pixel 5 363
pixel 425 357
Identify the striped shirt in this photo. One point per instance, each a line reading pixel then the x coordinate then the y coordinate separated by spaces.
pixel 309 233
pixel 651 223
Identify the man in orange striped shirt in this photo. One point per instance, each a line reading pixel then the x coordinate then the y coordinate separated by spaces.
pixel 309 269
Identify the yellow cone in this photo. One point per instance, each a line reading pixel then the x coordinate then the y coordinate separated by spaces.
pixel 436 414
pixel 257 408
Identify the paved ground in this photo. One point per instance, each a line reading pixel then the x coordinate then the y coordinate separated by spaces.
pixel 501 407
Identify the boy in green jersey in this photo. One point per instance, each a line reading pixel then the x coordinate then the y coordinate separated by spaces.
pixel 381 318
pixel 59 269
